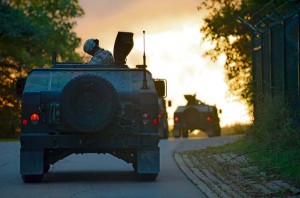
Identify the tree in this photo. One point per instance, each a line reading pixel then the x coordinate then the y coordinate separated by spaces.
pixel 30 30
pixel 232 39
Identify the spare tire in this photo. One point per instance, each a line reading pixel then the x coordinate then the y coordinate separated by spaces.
pixel 88 103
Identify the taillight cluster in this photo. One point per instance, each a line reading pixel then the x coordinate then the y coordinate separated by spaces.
pixel 208 118
pixel 34 119
pixel 176 119
pixel 159 116
pixel 146 119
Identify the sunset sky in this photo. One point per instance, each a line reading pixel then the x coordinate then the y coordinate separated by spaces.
pixel 173 48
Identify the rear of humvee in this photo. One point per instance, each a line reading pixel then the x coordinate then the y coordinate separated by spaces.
pixel 82 108
pixel 188 119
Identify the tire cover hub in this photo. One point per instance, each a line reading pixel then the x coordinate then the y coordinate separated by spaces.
pixel 88 103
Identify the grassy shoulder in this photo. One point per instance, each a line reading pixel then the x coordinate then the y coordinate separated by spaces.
pixel 235 129
pixel 9 139
pixel 282 165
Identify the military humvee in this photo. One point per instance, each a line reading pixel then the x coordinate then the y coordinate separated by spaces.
pixel 196 115
pixel 83 108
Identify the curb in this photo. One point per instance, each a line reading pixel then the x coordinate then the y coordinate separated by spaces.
pixel 205 174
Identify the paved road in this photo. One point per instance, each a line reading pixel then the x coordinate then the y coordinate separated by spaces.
pixel 93 175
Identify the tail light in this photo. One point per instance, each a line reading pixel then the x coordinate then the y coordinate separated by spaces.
pixel 159 116
pixel 146 119
pixel 34 118
pixel 208 118
pixel 176 119
pixel 24 122
pixel 155 121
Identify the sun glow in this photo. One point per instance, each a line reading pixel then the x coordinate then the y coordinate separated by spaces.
pixel 176 55
pixel 173 48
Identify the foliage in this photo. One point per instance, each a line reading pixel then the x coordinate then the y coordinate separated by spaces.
pixel 233 39
pixel 235 129
pixel 274 126
pixel 30 30
pixel 273 141
pixel 283 164
pixel 276 135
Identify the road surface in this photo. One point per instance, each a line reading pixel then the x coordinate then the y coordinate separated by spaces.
pixel 99 175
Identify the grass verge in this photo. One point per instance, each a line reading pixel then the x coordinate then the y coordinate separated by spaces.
pixel 9 139
pixel 276 163
pixel 249 169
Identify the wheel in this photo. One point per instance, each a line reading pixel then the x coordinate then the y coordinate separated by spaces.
pixel 46 168
pixel 32 178
pixel 134 166
pixel 88 103
pixel 147 177
pixel 165 134
pixel 217 132
pixel 210 132
pixel 176 133
pixel 185 133
pixel 213 132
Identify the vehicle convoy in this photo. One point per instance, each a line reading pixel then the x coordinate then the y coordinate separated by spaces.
pixel 196 115
pixel 85 108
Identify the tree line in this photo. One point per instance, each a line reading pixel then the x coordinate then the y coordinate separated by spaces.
pixel 233 39
pixel 29 31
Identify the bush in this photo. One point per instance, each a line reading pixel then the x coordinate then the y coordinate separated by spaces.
pixel 274 126
pixel 275 138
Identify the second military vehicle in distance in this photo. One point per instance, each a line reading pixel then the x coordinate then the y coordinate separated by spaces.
pixel 196 115
pixel 89 108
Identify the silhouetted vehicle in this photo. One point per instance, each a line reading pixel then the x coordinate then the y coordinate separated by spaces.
pixel 196 115
pixel 83 108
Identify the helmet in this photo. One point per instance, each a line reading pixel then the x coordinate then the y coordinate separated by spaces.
pixel 91 46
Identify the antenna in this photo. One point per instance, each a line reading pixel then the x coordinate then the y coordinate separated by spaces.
pixel 145 86
pixel 144 56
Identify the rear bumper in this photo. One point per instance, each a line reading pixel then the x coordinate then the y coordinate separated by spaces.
pixel 39 141
pixel 141 150
pixel 199 125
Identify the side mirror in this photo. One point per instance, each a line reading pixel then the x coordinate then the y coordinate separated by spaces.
pixel 220 111
pixel 169 103
pixel 161 87
pixel 19 86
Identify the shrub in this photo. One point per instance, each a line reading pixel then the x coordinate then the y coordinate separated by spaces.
pixel 274 126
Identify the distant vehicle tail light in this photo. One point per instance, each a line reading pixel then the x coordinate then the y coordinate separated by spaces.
pixel 209 119
pixel 34 118
pixel 176 119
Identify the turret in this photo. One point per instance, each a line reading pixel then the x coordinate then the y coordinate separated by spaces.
pixel 123 46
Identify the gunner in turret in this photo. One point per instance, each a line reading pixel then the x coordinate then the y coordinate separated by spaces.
pixel 100 55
